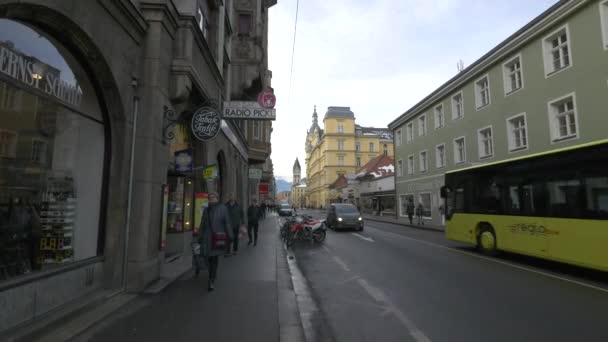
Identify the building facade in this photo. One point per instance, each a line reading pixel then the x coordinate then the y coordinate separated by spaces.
pixel 543 88
pixel 95 99
pixel 372 188
pixel 338 149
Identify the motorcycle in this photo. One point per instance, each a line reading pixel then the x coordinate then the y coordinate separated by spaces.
pixel 303 228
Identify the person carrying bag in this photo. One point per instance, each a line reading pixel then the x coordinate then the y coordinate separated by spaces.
pixel 215 235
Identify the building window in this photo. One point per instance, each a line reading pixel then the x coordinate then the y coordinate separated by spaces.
pixel 357 147
pixel 457 106
pixel 341 160
pixel 257 130
pixel 485 142
pixel 440 156
pixel 358 161
pixel 400 168
pixel 423 162
pixel 409 132
pixel 460 155
pixel 512 75
pixel 410 165
pixel 245 24
pixel 340 128
pixel 404 200
pixel 10 98
pixel 482 92
pixel 422 125
pixel 604 17
pixel 385 150
pixel 439 117
pixel 563 118
pixel 425 199
pixel 399 137
pixel 39 148
pixel 202 22
pixel 517 132
pixel 556 49
pixel 371 147
pixel 8 143
pixel 340 145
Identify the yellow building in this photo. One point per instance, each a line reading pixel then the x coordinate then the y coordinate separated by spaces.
pixel 340 148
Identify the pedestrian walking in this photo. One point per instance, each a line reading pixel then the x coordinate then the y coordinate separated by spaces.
pixel 419 213
pixel 410 210
pixel 253 217
pixel 237 218
pixel 262 209
pixel 215 234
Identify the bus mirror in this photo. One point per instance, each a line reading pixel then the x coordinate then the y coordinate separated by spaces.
pixel 444 191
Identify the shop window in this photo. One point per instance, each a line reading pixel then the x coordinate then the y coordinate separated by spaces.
pixel 52 149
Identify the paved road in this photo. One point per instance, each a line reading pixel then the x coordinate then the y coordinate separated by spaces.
pixel 391 283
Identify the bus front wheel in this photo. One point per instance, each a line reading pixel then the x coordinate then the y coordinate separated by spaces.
pixel 486 241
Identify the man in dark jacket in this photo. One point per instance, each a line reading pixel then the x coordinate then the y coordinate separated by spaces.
pixel 237 218
pixel 253 217
pixel 215 228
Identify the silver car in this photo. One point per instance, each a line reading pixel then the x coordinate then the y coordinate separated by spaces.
pixel 344 216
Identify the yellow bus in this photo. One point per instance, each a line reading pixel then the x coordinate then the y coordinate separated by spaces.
pixel 551 205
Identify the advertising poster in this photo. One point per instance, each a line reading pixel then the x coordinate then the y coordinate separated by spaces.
pixel 210 172
pixel 201 201
pixel 163 223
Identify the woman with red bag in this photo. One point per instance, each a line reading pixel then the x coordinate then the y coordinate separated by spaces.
pixel 215 234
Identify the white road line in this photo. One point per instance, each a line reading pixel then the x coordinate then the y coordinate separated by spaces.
pixel 363 237
pixel 506 263
pixel 326 248
pixel 341 263
pixel 379 296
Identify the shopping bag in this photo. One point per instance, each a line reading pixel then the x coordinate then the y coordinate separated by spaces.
pixel 199 262
pixel 242 231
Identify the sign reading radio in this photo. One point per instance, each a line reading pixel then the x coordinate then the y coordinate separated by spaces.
pixel 36 74
pixel 248 110
pixel 206 123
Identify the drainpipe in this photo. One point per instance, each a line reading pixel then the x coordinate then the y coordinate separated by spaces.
pixel 125 261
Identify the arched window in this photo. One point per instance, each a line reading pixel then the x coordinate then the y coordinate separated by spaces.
pixel 385 150
pixel 51 154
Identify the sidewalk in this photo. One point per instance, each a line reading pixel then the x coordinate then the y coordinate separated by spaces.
pixel 253 301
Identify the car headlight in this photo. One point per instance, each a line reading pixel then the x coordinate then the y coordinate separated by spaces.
pixel 360 218
pixel 339 219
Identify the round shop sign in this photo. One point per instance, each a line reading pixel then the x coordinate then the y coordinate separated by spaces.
pixel 267 99
pixel 206 123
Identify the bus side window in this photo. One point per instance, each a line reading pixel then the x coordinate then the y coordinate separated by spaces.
pixel 596 194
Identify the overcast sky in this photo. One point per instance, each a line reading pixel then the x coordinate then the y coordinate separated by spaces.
pixel 378 57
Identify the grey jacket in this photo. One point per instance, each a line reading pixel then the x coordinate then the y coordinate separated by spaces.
pixel 218 222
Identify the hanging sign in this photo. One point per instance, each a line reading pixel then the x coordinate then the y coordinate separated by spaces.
pixel 267 99
pixel 255 173
pixel 247 110
pixel 206 123
pixel 183 161
pixel 210 172
pixel 263 188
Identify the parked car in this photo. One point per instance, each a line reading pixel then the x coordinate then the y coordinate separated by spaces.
pixel 343 216
pixel 285 210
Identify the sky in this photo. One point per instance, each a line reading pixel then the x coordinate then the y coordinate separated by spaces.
pixel 378 57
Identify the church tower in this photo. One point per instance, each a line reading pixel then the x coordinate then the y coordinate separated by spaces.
pixel 297 172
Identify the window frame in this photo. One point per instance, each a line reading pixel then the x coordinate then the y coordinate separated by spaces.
pixel 341 144
pixel 442 111
pixel 464 150
pixel 257 130
pixel 409 127
pixel 426 161
pixel 398 137
pixel 478 92
pixel 437 155
pixel 340 128
pixel 411 170
pixel 453 105
pixel 34 141
pixel 551 111
pixel 422 121
pixel 430 203
pixel 357 146
pixel 509 136
pixel 604 22
pixel 372 148
pixel 506 73
pixel 400 168
pixel 480 145
pixel 547 49
pixel 341 160
pixel 405 197
pixel 13 152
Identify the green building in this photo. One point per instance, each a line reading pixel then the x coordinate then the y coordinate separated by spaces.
pixel 543 88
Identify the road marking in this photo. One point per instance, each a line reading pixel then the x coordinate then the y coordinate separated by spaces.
pixel 363 237
pixel 326 248
pixel 341 263
pixel 505 263
pixel 379 296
